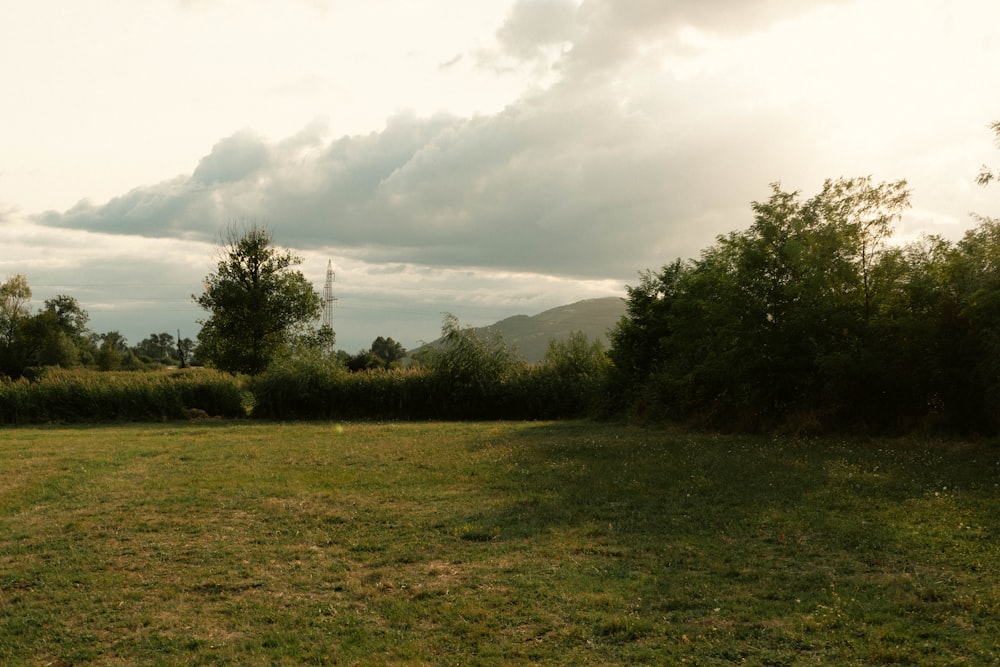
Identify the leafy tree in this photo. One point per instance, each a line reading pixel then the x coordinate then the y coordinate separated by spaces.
pixel 576 370
pixel 70 317
pixel 15 300
pixel 471 368
pixel 388 350
pixel 986 174
pixel 576 356
pixel 67 339
pixel 15 308
pixel 48 344
pixel 157 347
pixel 259 305
pixel 770 320
pixel 384 353
pixel 639 340
pixel 113 351
pixel 55 336
pixel 364 360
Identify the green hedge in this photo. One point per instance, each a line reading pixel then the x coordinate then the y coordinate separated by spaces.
pixel 89 396
pixel 533 392
pixel 302 391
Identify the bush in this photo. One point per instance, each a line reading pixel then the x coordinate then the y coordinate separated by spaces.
pixel 472 374
pixel 76 396
pixel 471 377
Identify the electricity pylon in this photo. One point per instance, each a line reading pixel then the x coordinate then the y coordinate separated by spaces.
pixel 328 297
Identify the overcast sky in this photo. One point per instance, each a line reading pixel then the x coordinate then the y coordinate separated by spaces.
pixel 484 158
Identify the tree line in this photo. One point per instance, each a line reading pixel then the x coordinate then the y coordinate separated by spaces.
pixel 812 318
pixel 259 308
pixel 57 335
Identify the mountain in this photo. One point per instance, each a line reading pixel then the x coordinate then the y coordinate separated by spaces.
pixel 530 334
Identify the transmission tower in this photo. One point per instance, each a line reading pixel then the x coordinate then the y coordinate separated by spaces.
pixel 328 297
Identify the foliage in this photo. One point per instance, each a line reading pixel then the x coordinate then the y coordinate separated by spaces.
pixel 257 303
pixel 112 351
pixel 55 336
pixel 572 381
pixel 471 377
pixel 813 319
pixel 297 383
pixel 15 309
pixel 384 353
pixel 470 371
pixel 164 349
pixel 577 543
pixel 388 351
pixel 986 174
pixel 75 396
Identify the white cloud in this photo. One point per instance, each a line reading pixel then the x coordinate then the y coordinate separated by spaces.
pixel 516 154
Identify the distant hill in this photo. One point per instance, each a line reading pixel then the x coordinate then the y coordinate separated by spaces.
pixel 530 334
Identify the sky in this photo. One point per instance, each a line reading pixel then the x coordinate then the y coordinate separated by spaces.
pixel 484 158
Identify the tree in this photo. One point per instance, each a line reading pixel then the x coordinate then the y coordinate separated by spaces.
pixel 384 353
pixel 15 300
pixel 258 303
pixel 637 340
pixel 15 309
pixel 471 368
pixel 112 352
pixel 67 336
pixel 70 317
pixel 156 347
pixel 388 350
pixel 771 319
pixel 987 175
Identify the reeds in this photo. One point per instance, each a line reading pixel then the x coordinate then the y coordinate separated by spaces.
pixel 74 396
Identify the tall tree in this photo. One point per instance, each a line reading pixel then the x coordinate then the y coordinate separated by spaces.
pixel 112 352
pixel 768 319
pixel 15 300
pixel 15 309
pixel 67 339
pixel 258 303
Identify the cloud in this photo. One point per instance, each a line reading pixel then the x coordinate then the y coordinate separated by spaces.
pixel 533 25
pixel 649 129
pixel 580 192
pixel 650 142
pixel 232 159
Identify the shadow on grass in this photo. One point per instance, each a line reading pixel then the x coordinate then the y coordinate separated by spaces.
pixel 641 489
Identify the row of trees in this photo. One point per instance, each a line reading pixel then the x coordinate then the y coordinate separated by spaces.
pixel 58 335
pixel 812 317
pixel 262 309
pixel 259 307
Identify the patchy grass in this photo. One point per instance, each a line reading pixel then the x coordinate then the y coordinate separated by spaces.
pixel 492 543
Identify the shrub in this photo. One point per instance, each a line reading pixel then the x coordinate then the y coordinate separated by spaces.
pixel 87 396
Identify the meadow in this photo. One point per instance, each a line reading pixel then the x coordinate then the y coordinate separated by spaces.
pixel 243 543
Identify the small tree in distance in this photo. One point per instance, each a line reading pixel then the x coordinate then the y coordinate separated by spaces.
pixel 258 304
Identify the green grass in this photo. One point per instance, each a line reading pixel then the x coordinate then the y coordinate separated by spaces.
pixel 218 543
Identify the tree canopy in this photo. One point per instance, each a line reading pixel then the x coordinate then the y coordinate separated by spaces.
pixel 56 335
pixel 258 303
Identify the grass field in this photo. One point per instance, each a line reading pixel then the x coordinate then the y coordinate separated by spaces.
pixel 216 543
